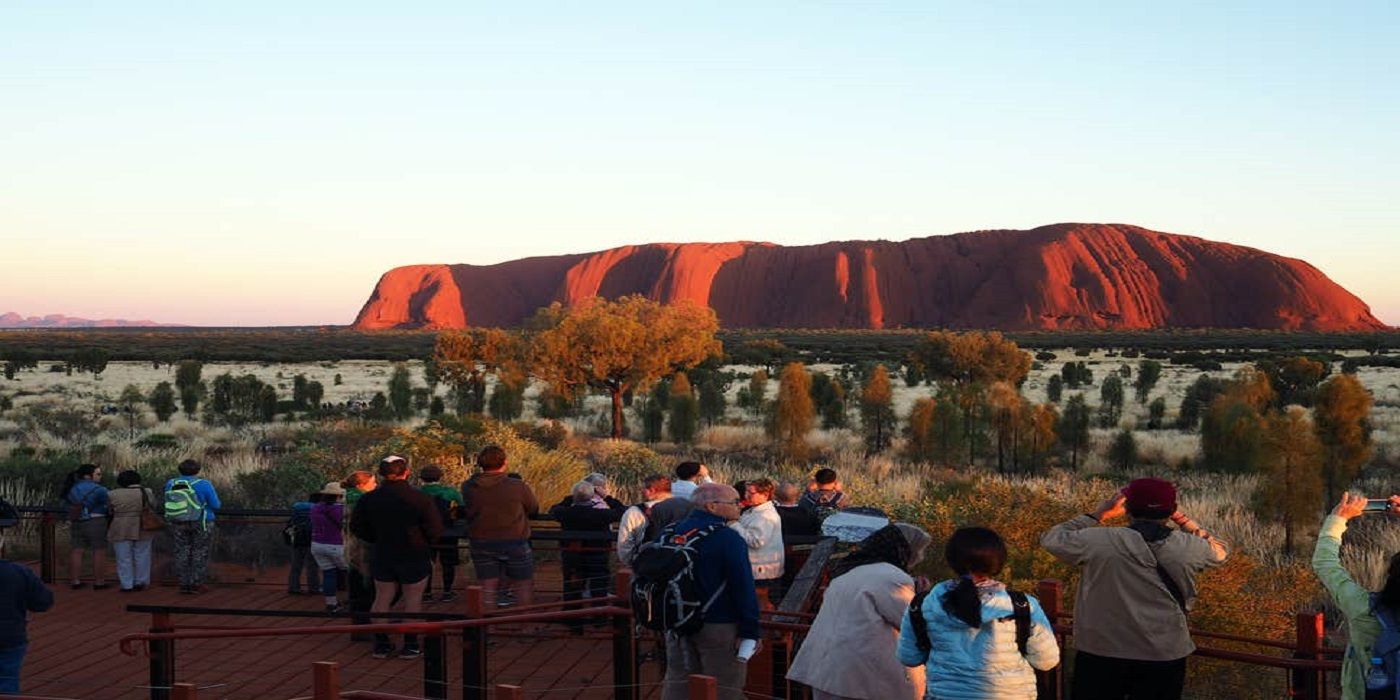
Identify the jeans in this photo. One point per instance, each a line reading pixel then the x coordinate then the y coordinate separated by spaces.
pixel 11 658
pixel 302 562
pixel 133 562
pixel 709 652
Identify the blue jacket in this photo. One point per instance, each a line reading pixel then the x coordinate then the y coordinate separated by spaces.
pixel 21 593
pixel 723 558
pixel 92 495
pixel 205 491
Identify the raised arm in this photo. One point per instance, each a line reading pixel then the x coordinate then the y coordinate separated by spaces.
pixel 1354 601
pixel 1065 540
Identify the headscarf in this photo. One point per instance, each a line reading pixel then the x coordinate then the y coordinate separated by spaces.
pixel 886 545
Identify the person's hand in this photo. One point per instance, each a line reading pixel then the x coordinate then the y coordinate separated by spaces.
pixel 1180 518
pixel 1112 508
pixel 922 585
pixel 1351 506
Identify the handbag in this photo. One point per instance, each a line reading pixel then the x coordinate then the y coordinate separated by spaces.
pixel 150 519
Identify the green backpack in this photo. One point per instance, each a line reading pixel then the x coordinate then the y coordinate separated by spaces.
pixel 182 503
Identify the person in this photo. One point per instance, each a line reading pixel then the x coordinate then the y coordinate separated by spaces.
pixel 1356 603
pixel 688 476
pixel 131 543
pixel 601 493
pixel 498 510
pixel 861 610
pixel 327 549
pixel 449 504
pixel 632 528
pixel 1138 583
pixel 585 572
pixel 297 532
pixel 723 577
pixel 824 495
pixel 21 593
pixel 190 503
pixel 401 524
pixel 87 501
pixel 798 522
pixel 762 531
pixel 356 551
pixel 973 650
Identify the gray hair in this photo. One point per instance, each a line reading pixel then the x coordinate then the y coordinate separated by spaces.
pixel 706 494
pixel 582 492
pixel 599 480
pixel 918 539
pixel 788 493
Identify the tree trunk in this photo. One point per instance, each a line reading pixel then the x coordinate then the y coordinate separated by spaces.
pixel 616 392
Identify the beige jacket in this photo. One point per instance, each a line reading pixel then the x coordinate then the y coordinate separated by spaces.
pixel 850 650
pixel 762 530
pixel 1123 609
pixel 126 513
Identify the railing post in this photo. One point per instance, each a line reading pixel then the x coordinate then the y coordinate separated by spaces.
pixel 1050 685
pixel 702 687
pixel 48 547
pixel 626 666
pixel 509 692
pixel 474 647
pixel 162 653
pixel 325 680
pixel 1307 682
pixel 434 667
pixel 781 650
pixel 184 691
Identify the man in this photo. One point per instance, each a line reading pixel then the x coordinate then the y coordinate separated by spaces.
pixel 449 506
pixel 498 514
pixel 585 562
pixel 1139 581
pixel 190 503
pixel 824 495
pixel 600 499
pixel 722 574
pixel 688 476
pixel 401 524
pixel 796 522
pixel 632 529
pixel 21 593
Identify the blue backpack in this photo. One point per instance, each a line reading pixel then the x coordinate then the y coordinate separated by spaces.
pixel 1387 645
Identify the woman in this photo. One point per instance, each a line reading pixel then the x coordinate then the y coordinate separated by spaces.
pixel 850 650
pixel 130 543
pixel 762 530
pixel 328 541
pixel 356 552
pixel 971 629
pixel 1354 601
pixel 87 502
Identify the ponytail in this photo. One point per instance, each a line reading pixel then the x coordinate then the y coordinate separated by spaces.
pixel 971 550
pixel 84 471
pixel 962 602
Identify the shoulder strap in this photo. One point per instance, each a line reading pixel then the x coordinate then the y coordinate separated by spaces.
pixel 919 624
pixel 1021 613
pixel 1172 589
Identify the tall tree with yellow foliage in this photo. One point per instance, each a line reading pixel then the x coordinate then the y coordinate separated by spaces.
pixel 793 412
pixel 1292 468
pixel 1342 415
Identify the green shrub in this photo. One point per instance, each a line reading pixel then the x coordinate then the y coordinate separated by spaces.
pixel 158 441
pixel 275 487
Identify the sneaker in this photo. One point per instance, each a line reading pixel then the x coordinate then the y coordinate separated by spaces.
pixel 382 651
pixel 447 597
pixel 334 608
pixel 139 587
pixel 410 651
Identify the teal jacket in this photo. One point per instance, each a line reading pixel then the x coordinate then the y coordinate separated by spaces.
pixel 1354 602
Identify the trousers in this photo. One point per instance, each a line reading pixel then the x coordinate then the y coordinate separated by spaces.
pixel 710 652
pixel 133 562
pixel 1106 678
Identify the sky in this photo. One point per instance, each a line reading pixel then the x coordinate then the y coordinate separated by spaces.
pixel 260 163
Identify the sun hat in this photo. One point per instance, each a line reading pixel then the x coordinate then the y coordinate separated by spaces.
pixel 332 488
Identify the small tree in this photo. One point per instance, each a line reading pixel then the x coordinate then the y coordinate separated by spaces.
pixel 17 360
pixel 712 403
pixel 90 360
pixel 1111 401
pixel 1292 470
pixel 877 410
pixel 684 418
pixel 1074 428
pixel 162 401
pixel 830 397
pixel 267 403
pixel 189 385
pixel 1040 435
pixel 1342 411
pixel 1149 372
pixel 1198 396
pixel 1054 388
pixel 653 411
pixel 401 392
pixel 793 412
pixel 508 398
pixel 921 433
pixel 1122 454
pixel 1156 413
pixel 757 395
pixel 1294 378
pixel 314 392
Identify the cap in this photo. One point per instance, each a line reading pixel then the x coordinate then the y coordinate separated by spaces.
pixel 1151 497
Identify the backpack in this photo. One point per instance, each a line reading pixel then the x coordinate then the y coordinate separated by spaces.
pixel 447 510
pixel 1387 645
pixel 665 595
pixel 297 531
pixel 78 510
pixel 182 503
pixel 1020 613
pixel 822 503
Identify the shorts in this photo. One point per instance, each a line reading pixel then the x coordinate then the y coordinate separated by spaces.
pixel 514 559
pixel 405 572
pixel 328 556
pixel 89 534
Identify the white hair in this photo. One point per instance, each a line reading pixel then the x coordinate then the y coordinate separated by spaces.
pixel 582 492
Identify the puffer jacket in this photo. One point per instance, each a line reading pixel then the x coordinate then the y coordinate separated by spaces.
pixel 982 663
pixel 762 530
pixel 1355 603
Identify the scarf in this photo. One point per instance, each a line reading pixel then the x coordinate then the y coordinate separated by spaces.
pixel 886 545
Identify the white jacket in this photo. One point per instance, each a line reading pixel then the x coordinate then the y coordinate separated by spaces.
pixel 980 663
pixel 762 529
pixel 631 530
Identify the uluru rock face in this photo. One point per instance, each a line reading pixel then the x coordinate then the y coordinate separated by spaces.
pixel 1070 276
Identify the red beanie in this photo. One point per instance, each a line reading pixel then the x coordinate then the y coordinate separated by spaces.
pixel 1153 498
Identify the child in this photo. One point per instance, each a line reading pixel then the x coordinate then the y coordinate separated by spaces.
pixel 297 535
pixel 449 503
pixel 824 496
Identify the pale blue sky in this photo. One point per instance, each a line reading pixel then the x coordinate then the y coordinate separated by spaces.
pixel 263 163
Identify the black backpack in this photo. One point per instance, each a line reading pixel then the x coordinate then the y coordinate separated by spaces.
pixel 297 531
pixel 1020 613
pixel 665 595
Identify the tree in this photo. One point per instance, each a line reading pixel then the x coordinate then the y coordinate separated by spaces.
pixel 877 410
pixel 189 385
pixel 17 360
pixel 1111 401
pixel 90 360
pixel 314 392
pixel 1122 453
pixel 1292 469
pixel 1156 413
pixel 237 401
pixel 401 392
pixel 921 432
pixel 1341 411
pixel 684 418
pixel 768 353
pixel 755 395
pixel 618 346
pixel 974 357
pixel 1294 378
pixel 267 403
pixel 162 401
pixel 508 397
pixel 1008 415
pixel 712 403
pixel 1074 428
pixel 1039 436
pixel 1054 388
pixel 652 408
pixel 130 401
pixel 465 358
pixel 1076 374
pixel 830 397
pixel 793 412
pixel 1198 396
pixel 1149 371
pixel 1232 429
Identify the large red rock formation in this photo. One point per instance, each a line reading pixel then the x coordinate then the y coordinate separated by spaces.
pixel 1061 276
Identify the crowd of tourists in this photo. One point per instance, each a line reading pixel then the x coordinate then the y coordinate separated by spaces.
pixel 881 630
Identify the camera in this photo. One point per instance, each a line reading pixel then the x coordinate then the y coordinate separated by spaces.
pixel 1376 505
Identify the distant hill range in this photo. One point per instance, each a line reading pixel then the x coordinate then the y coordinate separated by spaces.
pixel 1064 276
pixel 14 320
